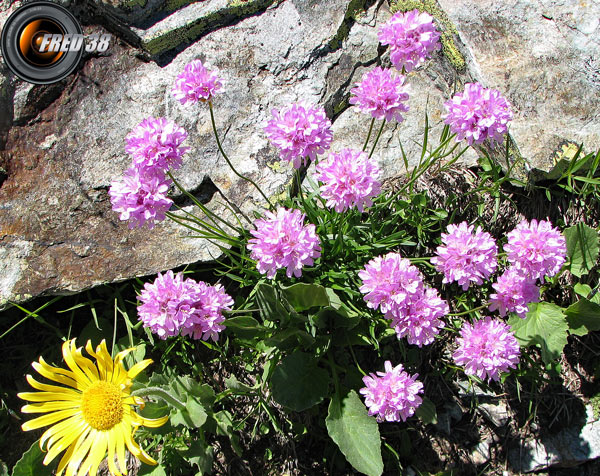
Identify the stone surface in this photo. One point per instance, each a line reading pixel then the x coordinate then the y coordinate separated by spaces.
pixel 62 145
pixel 62 236
pixel 497 413
pixel 545 57
pixel 569 447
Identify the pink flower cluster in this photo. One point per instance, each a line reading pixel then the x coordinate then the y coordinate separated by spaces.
pixel 155 145
pixel 172 305
pixel 381 95
pixel 478 114
pixel 514 291
pixel 392 395
pixel 140 198
pixel 282 240
pixel 140 195
pixel 300 132
pixel 197 82
pixel 412 37
pixel 392 284
pixel 535 250
pixel 466 256
pixel 350 179
pixel 487 348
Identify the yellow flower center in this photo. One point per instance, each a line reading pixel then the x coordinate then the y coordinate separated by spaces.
pixel 102 405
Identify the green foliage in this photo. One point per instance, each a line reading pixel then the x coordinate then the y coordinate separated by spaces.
pixel 355 433
pixel 426 412
pixel 583 317
pixel 298 383
pixel 545 326
pixel 31 463
pixel 582 248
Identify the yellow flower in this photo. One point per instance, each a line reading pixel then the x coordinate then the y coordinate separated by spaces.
pixel 92 414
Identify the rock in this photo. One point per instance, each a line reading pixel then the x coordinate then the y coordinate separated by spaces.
pixel 544 57
pixel 193 21
pixel 481 452
pixel 74 148
pixel 569 447
pixel 61 145
pixel 450 414
pixel 497 413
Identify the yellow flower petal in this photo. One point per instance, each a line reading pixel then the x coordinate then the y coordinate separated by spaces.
pixel 51 388
pixel 65 440
pixel 45 407
pixel 95 456
pixel 46 420
pixel 59 375
pixel 49 396
pixel 68 352
pixel 112 443
pixel 137 368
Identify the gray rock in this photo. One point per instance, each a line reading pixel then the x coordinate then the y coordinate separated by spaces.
pixel 570 447
pixel 65 145
pixel 480 454
pixel 497 413
pixel 67 236
pixel 544 57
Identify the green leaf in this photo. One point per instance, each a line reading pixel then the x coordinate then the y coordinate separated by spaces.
pixel 271 308
pixel 234 384
pixel 193 416
pixel 583 317
pixel 3 469
pixel 147 470
pixel 355 433
pixel 303 296
pixel 245 327
pixel 545 325
pixel 582 248
pixel 298 383
pixel 426 412
pixel 199 454
pixel 31 463
pixel 224 421
pixel 585 291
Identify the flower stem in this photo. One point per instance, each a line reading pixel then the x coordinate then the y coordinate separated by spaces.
pixel 160 393
pixel 214 126
pixel 479 308
pixel 369 134
pixel 377 138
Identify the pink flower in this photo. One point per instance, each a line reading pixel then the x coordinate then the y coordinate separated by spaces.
pixel 466 256
pixel 207 319
pixel 172 305
pixel 538 249
pixel 283 241
pixel 300 132
pixel 514 291
pixel 140 197
pixel 392 395
pixel 412 37
pixel 390 283
pixel 420 321
pixel 487 348
pixel 381 94
pixel 197 83
pixel 165 304
pixel 156 144
pixel 478 114
pixel 350 179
